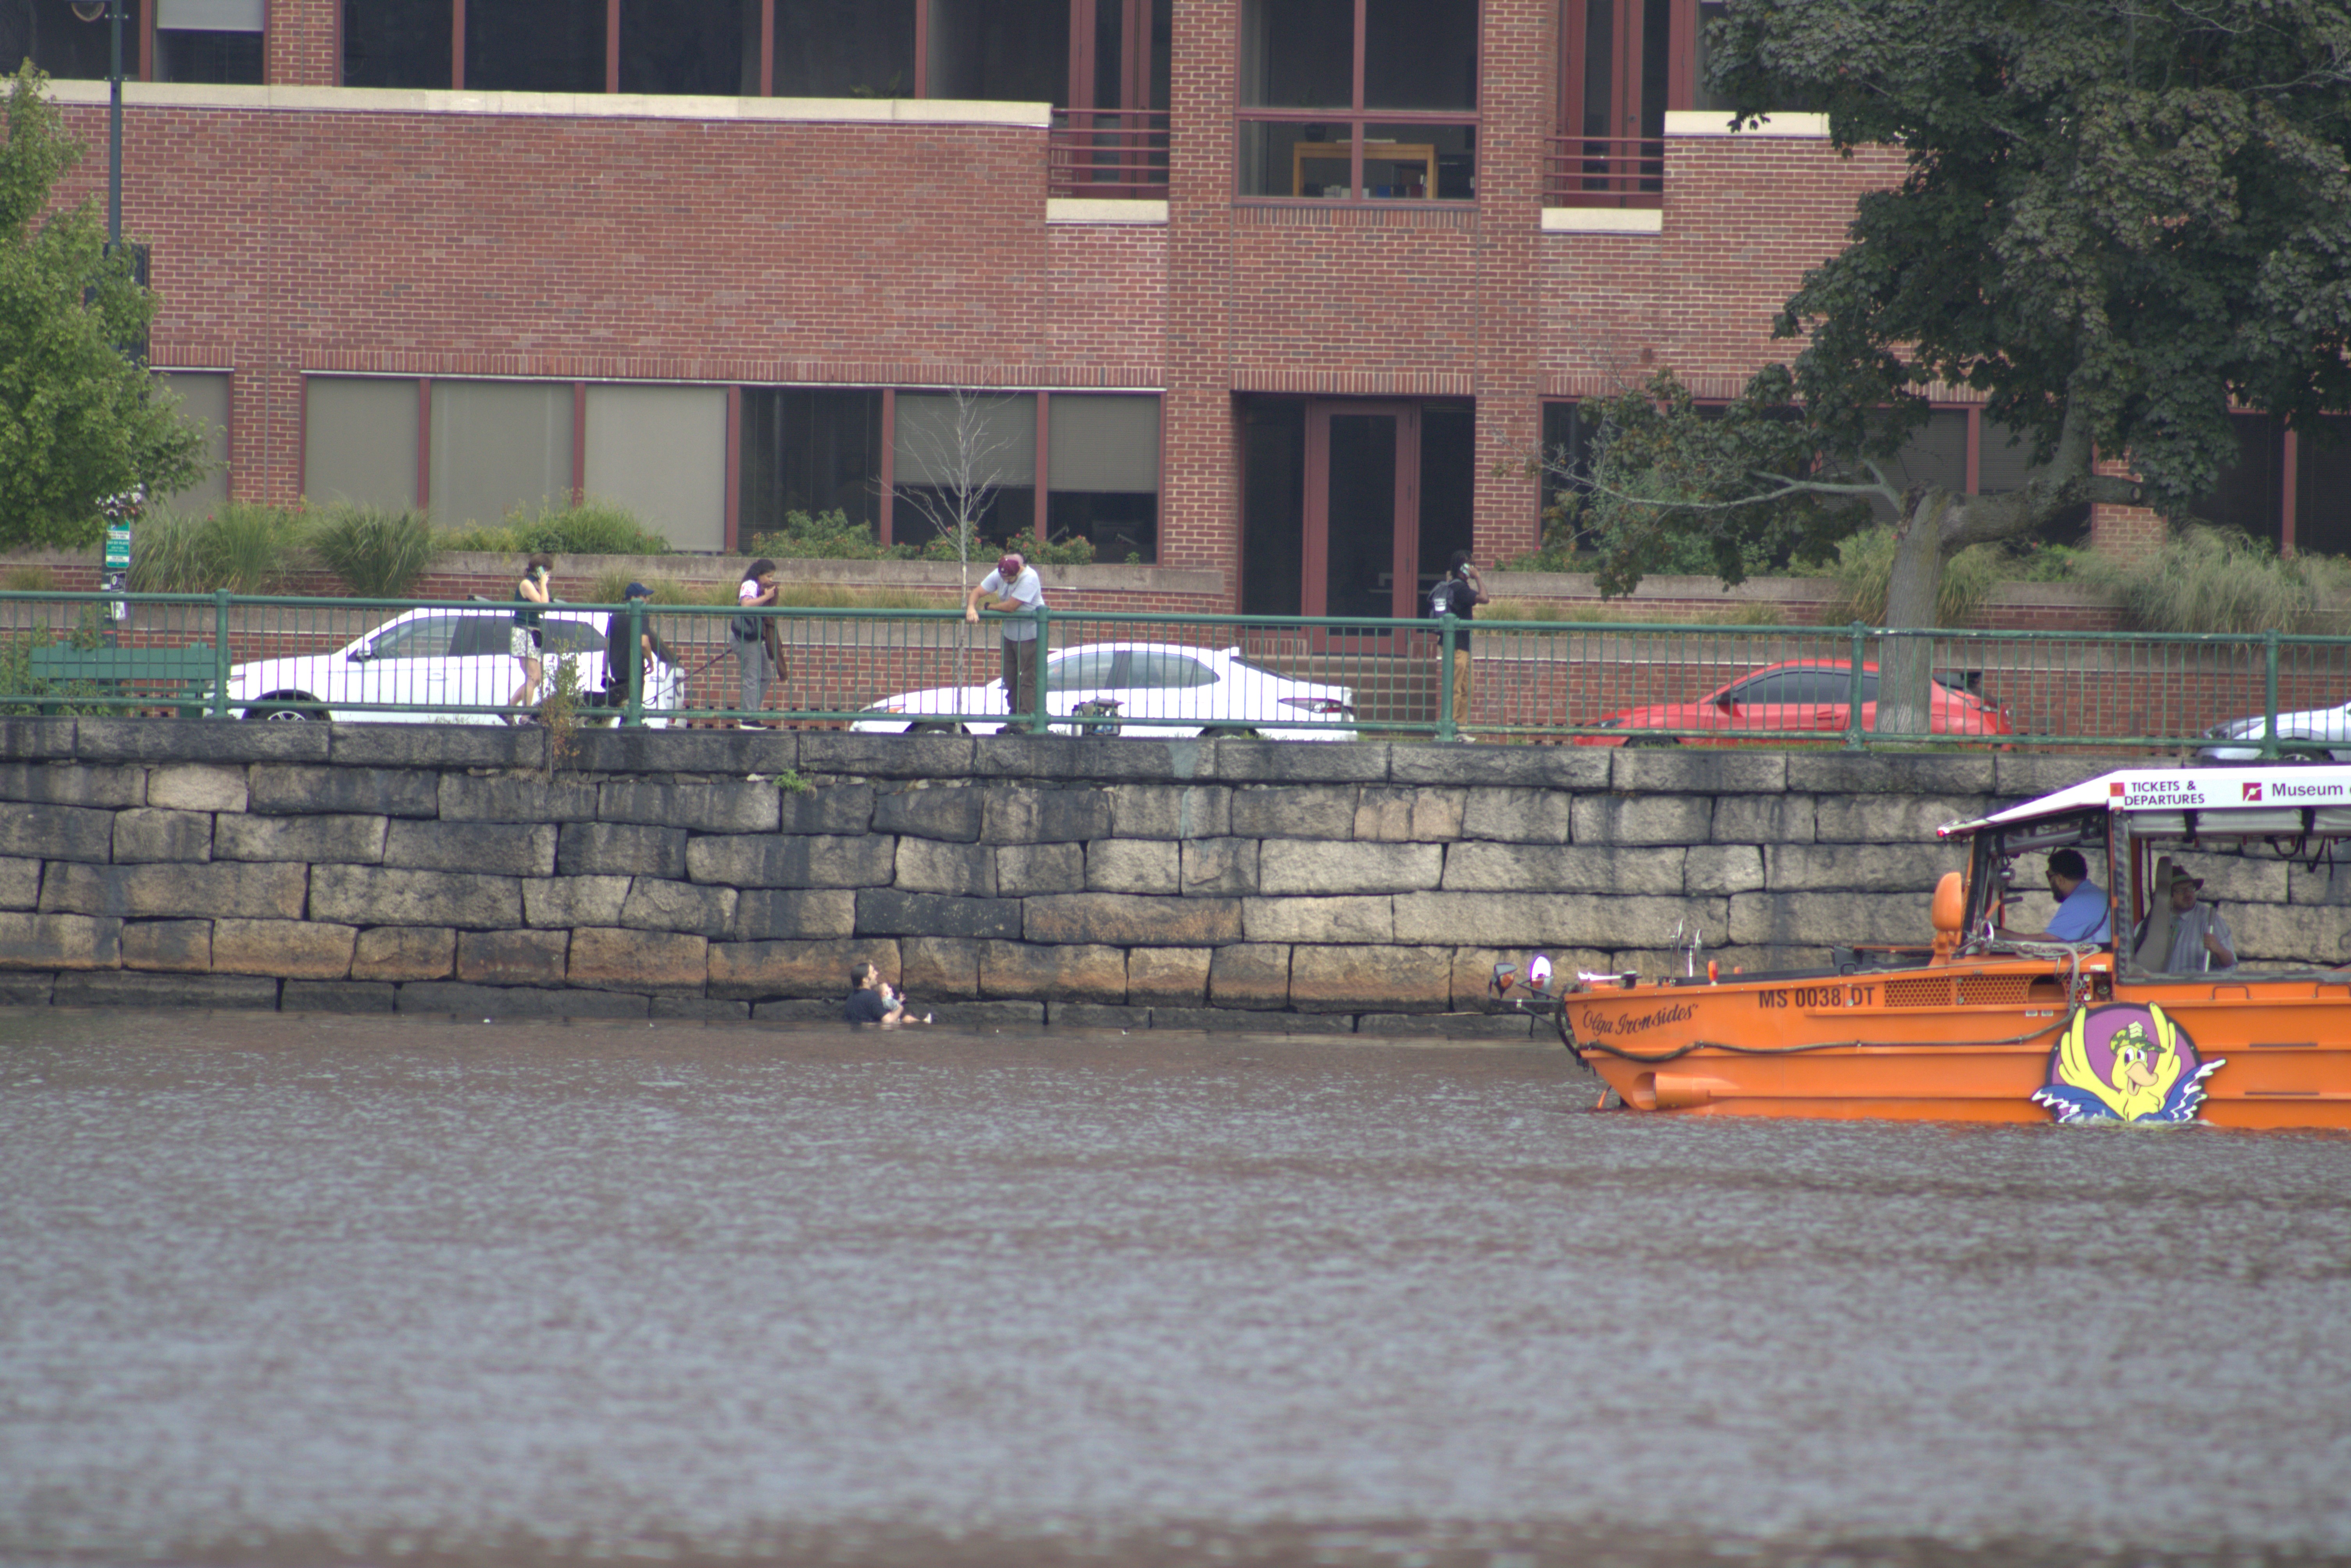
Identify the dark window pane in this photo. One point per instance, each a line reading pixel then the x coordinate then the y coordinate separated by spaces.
pixel 184 55
pixel 1936 454
pixel 1399 161
pixel 1298 54
pixel 1007 50
pixel 1421 54
pixel 709 46
pixel 2248 495
pixel 396 43
pixel 1273 508
pixel 2322 501
pixel 845 49
pixel 811 450
pixel 1567 453
pixel 1004 518
pixel 1656 64
pixel 1123 526
pixel 1448 481
pixel 535 45
pixel 1778 688
pixel 61 43
pixel 1599 68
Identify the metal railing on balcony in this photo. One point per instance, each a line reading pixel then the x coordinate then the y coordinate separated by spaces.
pixel 1108 153
pixel 1604 172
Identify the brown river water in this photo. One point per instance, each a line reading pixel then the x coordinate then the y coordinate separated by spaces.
pixel 279 1289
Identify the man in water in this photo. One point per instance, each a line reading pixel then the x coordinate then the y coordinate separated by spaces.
pixel 871 1001
pixel 2082 913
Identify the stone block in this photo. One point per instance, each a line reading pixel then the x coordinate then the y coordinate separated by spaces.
pixel 1290 762
pixel 1483 867
pixel 1134 865
pixel 31 736
pixel 1128 757
pixel 300 792
pixel 1305 812
pixel 317 840
pixel 1096 1015
pixel 636 960
pixel 928 865
pixel 620 849
pixel 1286 867
pixel 488 1002
pixel 1682 770
pixel 405 953
pixel 1720 868
pixel 1073 972
pixel 380 895
pixel 369 744
pixel 20 883
pixel 1885 772
pixel 1858 868
pixel 494 849
pixel 949 812
pixel 990 1018
pixel 712 1010
pixel 657 905
pixel 886 756
pixel 517 797
pixel 1370 979
pixel 1364 918
pixel 1231 1020
pixel 1132 920
pixel 802 1011
pixel 1623 819
pixel 2230 881
pixel 288 949
pixel 1496 1029
pixel 58 833
pixel 830 808
pixel 936 966
pixel 1764 819
pixel 25 989
pixel 759 861
pixel 554 901
pixel 337 997
pixel 1890 818
pixel 1025 869
pixel 729 808
pixel 1253 975
pixel 1168 976
pixel 100 785
pixel 1027 814
pixel 226 993
pixel 1501 766
pixel 183 947
pixel 1171 810
pixel 1217 868
pixel 2020 775
pixel 2296 934
pixel 1521 922
pixel 738 752
pixel 255 890
pixel 753 969
pixel 1390 814
pixel 765 914
pixel 145 834
pixel 886 911
pixel 1827 919
pixel 1519 816
pixel 196 740
pixel 512 957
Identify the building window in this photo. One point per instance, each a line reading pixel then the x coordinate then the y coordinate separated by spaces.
pixel 660 452
pixel 208 41
pixel 1101 469
pixel 1623 64
pixel 706 47
pixel 811 450
pixel 845 49
pixel 359 441
pixel 2322 523
pixel 397 43
pixel 55 39
pixel 964 455
pixel 1009 50
pixel 204 401
pixel 497 446
pixel 536 46
pixel 1359 99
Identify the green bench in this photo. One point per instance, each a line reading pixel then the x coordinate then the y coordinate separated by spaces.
pixel 180 678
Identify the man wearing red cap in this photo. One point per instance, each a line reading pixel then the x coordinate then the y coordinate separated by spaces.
pixel 1018 593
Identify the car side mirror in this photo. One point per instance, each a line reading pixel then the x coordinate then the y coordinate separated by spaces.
pixel 1727 703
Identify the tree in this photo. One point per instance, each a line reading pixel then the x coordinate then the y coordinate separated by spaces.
pixel 2118 220
pixel 80 420
pixel 960 448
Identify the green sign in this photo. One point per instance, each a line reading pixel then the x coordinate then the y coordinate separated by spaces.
pixel 118 549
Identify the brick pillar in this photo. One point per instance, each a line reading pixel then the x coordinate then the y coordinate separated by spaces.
pixel 1518 76
pixel 300 44
pixel 1199 495
pixel 2124 530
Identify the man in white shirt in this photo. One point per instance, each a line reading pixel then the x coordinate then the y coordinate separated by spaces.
pixel 2200 939
pixel 1018 593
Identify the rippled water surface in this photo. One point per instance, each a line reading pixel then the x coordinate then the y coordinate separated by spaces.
pixel 289 1289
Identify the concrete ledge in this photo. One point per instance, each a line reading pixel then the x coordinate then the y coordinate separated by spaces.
pixel 110 990
pixel 1715 122
pixel 200 740
pixel 986 1015
pixel 1096 1015
pixel 434 744
pixel 1228 1020
pixel 930 112
pixel 736 752
pixel 516 1001
pixel 29 738
pixel 1511 1029
pixel 1603 220
pixel 1501 767
pixel 1099 210
pixel 1877 773
pixel 338 997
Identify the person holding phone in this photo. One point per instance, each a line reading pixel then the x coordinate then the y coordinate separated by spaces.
pixel 530 593
pixel 757 646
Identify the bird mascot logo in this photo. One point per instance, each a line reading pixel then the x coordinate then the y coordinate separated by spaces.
pixel 2129 1065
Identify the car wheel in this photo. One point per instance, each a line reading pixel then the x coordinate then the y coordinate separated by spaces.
pixel 1228 732
pixel 2293 753
pixel 1653 740
pixel 935 728
pixel 267 714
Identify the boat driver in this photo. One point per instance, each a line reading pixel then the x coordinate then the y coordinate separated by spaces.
pixel 2082 913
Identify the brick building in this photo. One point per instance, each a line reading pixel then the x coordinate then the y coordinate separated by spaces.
pixel 1275 287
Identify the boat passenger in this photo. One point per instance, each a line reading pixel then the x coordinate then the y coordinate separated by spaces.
pixel 2200 939
pixel 2082 914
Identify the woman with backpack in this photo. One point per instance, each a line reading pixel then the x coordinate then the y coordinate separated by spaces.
pixel 757 646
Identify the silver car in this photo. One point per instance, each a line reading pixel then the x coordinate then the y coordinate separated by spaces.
pixel 2314 735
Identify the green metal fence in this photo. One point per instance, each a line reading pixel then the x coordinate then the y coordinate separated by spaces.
pixel 1108 674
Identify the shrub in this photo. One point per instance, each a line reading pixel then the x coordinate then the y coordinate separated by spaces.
pixel 240 546
pixel 378 553
pixel 826 536
pixel 2215 579
pixel 29 580
pixel 592 527
pixel 1864 571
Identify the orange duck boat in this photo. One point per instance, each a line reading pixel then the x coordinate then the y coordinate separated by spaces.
pixel 2150 1020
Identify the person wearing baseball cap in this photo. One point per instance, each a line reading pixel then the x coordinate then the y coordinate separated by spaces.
pixel 616 647
pixel 1017 593
pixel 2198 940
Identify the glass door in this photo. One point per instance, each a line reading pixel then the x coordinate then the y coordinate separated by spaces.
pixel 1362 509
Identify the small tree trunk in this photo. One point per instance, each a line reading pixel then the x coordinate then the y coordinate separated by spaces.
pixel 1906 664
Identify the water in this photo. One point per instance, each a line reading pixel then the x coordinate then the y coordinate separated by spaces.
pixel 290 1290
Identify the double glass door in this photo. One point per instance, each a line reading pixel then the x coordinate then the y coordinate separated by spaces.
pixel 1362 509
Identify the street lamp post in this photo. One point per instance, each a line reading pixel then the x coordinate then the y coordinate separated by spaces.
pixel 90 11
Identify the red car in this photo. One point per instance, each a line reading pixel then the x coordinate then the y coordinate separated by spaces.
pixel 1798 698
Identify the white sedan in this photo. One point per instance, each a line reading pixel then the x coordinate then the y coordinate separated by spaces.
pixel 431 660
pixel 2315 735
pixel 1159 689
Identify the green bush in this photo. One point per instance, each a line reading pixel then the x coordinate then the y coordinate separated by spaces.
pixel 378 553
pixel 592 527
pixel 240 546
pixel 826 536
pixel 29 580
pixel 1864 571
pixel 2215 579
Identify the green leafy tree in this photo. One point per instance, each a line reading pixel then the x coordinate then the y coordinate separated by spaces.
pixel 2119 218
pixel 79 418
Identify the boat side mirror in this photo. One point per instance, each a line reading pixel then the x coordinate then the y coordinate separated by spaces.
pixel 1948 912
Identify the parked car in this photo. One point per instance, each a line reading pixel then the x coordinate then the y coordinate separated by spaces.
pixel 2314 735
pixel 1797 697
pixel 434 659
pixel 1156 688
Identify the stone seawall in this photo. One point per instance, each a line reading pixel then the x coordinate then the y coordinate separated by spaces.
pixel 1115 882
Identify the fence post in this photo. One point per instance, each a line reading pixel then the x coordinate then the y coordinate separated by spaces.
pixel 220 653
pixel 1444 714
pixel 1037 689
pixel 633 711
pixel 2268 695
pixel 1853 731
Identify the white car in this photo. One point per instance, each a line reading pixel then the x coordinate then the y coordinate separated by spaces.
pixel 2314 735
pixel 433 659
pixel 1153 688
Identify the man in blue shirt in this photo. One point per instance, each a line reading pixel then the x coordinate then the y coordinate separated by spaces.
pixel 2083 915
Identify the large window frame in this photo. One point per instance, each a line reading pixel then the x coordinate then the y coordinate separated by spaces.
pixel 1361 128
